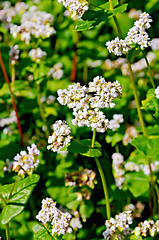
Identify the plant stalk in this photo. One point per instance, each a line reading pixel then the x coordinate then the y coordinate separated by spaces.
pixel 12 75
pixel 138 109
pixel 7 225
pixel 102 179
pixel 149 69
pixel 13 100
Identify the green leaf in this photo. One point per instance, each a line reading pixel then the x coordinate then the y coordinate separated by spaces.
pixel 114 138
pixel 147 146
pixel 19 198
pixel 136 237
pixel 84 25
pixel 86 209
pixel 151 103
pixel 90 19
pixel 97 5
pixel 92 153
pixel 137 183
pixel 133 53
pixel 41 233
pixel 119 9
pixel 84 148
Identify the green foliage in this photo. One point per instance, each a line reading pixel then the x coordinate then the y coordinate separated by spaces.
pixel 101 12
pixel 41 233
pixel 137 183
pixel 146 146
pixel 84 148
pixel 21 193
pixel 151 103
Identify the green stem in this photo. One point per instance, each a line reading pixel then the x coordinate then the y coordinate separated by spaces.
pixel 7 231
pixel 13 187
pixel 7 225
pixel 138 108
pixel 102 179
pixel 42 114
pixel 137 99
pixel 149 69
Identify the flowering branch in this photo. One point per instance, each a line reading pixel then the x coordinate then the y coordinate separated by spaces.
pixel 13 99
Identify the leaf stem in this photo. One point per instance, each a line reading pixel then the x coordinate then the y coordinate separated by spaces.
pixel 102 179
pixel 13 100
pixel 149 69
pixel 7 225
pixel 13 187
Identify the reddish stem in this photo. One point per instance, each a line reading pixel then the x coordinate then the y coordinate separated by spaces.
pixel 74 64
pixel 13 99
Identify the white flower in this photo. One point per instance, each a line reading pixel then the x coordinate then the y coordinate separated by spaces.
pixel 136 35
pixel 58 219
pixel 14 54
pixel 26 162
pixel 157 92
pixel 76 7
pixel 37 54
pixel 87 101
pixel 60 136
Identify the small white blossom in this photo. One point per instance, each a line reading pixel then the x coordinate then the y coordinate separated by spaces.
pixel 136 35
pixel 14 54
pixel 6 121
pixel 26 162
pixel 76 7
pixel 60 136
pixel 118 227
pixel 115 122
pixel 56 71
pixel 157 92
pixel 118 169
pixel 50 214
pixel 37 54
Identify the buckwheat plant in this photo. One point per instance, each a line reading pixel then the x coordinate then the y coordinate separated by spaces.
pixel 55 220
pixel 118 227
pixel 76 7
pixel 60 136
pixel 26 162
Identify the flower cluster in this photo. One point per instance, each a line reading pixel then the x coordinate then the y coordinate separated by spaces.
pixel 75 222
pixel 60 137
pixel 83 177
pixel 6 121
pixel 26 162
pixel 14 54
pixel 37 54
pixel 118 227
pixel 48 100
pixel 147 227
pixel 87 102
pixel 115 122
pixel 7 167
pixel 76 7
pixel 157 92
pixel 136 209
pixel 56 71
pixel 118 169
pixel 33 23
pixel 7 13
pixel 130 133
pixel 136 35
pixel 131 166
pixel 58 220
